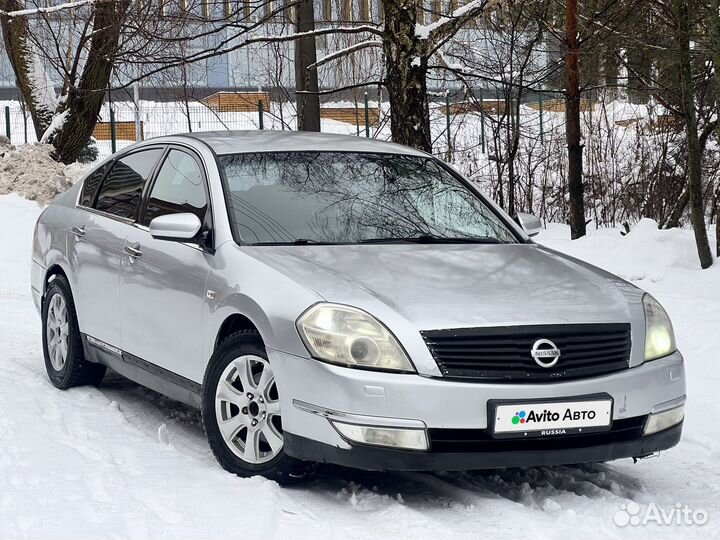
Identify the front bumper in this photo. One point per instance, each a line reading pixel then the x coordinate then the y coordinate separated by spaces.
pixel 515 453
pixel 457 411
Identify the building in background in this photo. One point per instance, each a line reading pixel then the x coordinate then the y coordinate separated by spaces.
pixel 269 66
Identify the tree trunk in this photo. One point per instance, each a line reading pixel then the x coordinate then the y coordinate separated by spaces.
pixel 406 61
pixel 83 102
pixel 572 124
pixel 306 80
pixel 695 150
pixel 673 221
pixel 20 50
pixel 715 45
pixel 510 109
pixel 717 219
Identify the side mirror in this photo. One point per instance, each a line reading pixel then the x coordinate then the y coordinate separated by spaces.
pixel 175 227
pixel 530 223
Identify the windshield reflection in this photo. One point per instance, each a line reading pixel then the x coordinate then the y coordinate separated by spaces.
pixel 339 198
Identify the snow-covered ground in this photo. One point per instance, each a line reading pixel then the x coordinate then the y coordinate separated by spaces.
pixel 122 462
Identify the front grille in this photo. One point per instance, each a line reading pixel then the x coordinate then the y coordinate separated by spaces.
pixel 480 440
pixel 502 354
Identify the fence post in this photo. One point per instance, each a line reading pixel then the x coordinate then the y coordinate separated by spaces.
pixel 138 123
pixel 113 138
pixel 447 125
pixel 482 121
pixel 511 114
pixel 540 108
pixel 261 114
pixel 357 117
pixel 7 122
pixel 367 117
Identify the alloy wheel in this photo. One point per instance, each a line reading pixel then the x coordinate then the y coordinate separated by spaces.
pixel 247 409
pixel 57 332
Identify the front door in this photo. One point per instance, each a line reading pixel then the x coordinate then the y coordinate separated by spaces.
pixel 163 294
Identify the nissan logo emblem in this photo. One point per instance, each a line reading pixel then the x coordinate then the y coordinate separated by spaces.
pixel 545 353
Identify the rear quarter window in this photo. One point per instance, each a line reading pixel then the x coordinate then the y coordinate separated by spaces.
pixel 92 183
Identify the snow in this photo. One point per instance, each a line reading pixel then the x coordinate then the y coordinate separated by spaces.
pixel 346 51
pixel 623 147
pixel 122 462
pixel 56 125
pixel 424 31
pixel 45 10
pixel 29 170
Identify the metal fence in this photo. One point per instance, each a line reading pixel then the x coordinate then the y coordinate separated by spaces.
pixel 123 123
pixel 456 126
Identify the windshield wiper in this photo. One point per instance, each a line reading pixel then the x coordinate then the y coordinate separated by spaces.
pixel 433 239
pixel 297 242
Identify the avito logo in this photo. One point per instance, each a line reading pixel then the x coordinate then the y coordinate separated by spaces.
pixel 522 417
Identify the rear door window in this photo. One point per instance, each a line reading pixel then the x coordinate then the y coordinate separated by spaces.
pixel 122 189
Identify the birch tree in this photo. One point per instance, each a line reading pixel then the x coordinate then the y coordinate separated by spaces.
pixel 408 47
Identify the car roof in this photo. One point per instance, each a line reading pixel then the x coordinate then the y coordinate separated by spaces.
pixel 237 142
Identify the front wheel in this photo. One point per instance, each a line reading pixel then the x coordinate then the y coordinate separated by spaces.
pixel 241 412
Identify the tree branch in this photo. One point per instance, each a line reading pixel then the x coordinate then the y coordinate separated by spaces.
pixel 349 87
pixel 51 9
pixel 165 63
pixel 445 27
pixel 344 52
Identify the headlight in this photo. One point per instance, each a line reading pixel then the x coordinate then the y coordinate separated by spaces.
pixel 350 337
pixel 659 335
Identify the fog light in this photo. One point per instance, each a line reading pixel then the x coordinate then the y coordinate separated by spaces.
pixel 411 439
pixel 664 420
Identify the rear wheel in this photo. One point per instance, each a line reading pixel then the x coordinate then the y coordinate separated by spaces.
pixel 241 412
pixel 62 347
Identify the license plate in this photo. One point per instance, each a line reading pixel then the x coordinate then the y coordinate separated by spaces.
pixel 552 418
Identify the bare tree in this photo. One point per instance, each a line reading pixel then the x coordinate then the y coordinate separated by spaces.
pixel 68 122
pixel 696 141
pixel 88 43
pixel 408 47
pixel 507 58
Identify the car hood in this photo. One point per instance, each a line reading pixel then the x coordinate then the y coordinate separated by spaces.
pixel 457 285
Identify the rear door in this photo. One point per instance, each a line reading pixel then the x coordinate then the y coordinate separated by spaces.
pixel 163 288
pixel 110 203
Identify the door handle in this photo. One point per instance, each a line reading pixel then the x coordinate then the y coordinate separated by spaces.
pixel 133 252
pixel 79 232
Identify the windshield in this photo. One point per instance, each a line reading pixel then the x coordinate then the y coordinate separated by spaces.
pixel 340 198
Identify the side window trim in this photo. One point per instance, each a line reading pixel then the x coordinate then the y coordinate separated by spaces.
pixel 112 164
pixel 149 187
pixel 209 221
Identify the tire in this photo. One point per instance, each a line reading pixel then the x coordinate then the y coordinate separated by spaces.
pixel 240 394
pixel 62 347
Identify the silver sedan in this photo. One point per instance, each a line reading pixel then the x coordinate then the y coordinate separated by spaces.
pixel 336 299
